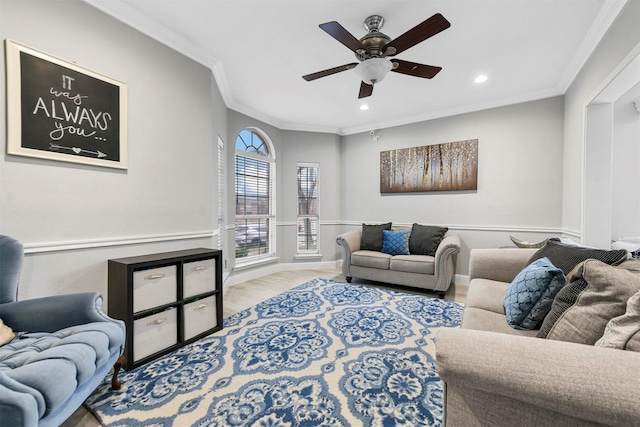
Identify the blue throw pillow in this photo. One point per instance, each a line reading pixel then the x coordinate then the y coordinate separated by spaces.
pixel 529 297
pixel 395 242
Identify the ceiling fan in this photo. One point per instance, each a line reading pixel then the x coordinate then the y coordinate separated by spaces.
pixel 374 48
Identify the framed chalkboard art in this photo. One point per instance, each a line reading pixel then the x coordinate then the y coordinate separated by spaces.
pixel 60 111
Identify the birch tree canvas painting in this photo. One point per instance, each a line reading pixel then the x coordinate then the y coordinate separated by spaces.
pixel 442 167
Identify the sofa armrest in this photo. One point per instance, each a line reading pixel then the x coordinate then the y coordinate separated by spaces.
pixel 444 267
pixel 50 314
pixel 502 265
pixel 599 385
pixel 350 242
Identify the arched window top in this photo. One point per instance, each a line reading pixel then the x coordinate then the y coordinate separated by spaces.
pixel 250 142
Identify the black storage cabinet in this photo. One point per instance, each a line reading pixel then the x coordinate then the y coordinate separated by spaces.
pixel 167 300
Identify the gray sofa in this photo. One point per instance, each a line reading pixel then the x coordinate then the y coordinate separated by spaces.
pixel 433 273
pixel 64 346
pixel 495 375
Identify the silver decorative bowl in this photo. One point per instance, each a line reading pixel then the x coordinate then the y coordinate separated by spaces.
pixel 522 244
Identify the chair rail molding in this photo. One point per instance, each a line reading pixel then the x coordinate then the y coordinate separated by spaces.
pixel 43 247
pixel 471 227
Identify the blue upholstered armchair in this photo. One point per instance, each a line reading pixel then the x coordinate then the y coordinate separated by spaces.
pixel 64 346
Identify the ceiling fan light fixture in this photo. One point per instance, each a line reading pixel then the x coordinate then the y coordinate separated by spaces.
pixel 373 70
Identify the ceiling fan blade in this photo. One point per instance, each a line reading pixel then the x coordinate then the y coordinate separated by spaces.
pixel 416 70
pixel 330 71
pixel 365 90
pixel 417 34
pixel 338 32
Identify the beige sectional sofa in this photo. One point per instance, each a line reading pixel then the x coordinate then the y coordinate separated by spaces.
pixel 433 273
pixel 495 375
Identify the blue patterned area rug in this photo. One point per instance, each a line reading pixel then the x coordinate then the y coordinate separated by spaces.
pixel 322 354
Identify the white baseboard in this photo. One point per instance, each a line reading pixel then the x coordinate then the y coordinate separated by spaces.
pixel 244 276
pixel 461 279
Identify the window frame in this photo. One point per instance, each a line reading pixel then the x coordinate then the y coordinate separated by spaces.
pixel 270 216
pixel 312 217
pixel 222 183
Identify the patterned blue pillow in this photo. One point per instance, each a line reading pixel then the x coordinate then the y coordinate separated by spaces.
pixel 528 299
pixel 395 242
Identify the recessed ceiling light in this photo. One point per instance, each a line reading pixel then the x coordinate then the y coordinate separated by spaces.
pixel 481 79
pixel 364 107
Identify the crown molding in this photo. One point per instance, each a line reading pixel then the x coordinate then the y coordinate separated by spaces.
pixel 132 17
pixel 137 20
pixel 512 100
pixel 607 15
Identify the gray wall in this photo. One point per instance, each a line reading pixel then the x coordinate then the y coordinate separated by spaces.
pixel 620 40
pixel 73 218
pixel 292 147
pixel 625 195
pixel 324 149
pixel 519 183
pixel 167 199
pixel 519 176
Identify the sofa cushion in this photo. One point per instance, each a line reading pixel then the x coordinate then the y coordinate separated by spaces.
pixel 528 300
pixel 421 264
pixel 52 379
pixel 53 365
pixel 597 293
pixel 395 242
pixel 623 332
pixel 485 320
pixel 371 259
pixel 487 294
pixel 566 257
pixel 424 239
pixel 371 239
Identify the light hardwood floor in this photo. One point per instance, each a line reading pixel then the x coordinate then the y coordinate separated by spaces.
pixel 247 294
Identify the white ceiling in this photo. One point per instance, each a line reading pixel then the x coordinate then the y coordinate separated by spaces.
pixel 259 49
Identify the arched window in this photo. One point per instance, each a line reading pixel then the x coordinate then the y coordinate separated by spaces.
pixel 255 198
